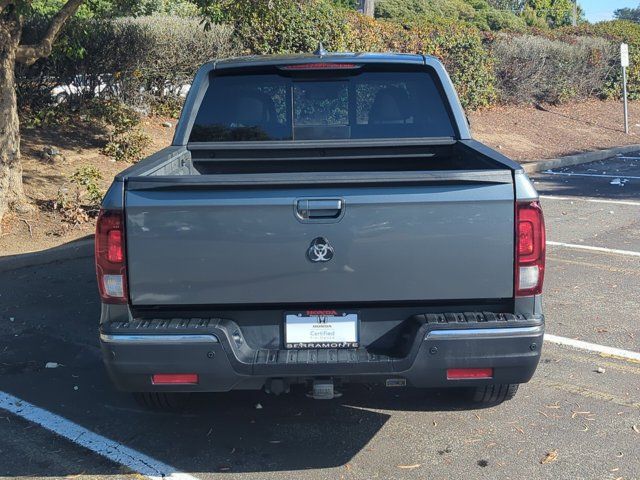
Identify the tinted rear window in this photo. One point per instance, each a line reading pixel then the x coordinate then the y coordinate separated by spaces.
pixel 366 105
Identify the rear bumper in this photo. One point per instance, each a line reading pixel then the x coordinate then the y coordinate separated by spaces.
pixel 216 351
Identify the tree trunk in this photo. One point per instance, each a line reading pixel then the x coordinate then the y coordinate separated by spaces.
pixel 369 8
pixel 11 191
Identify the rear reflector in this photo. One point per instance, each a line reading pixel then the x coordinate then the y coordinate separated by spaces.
pixel 175 379
pixel 469 373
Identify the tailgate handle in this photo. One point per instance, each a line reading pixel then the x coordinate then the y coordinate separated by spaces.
pixel 319 209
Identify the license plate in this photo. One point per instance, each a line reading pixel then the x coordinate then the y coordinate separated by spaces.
pixel 321 329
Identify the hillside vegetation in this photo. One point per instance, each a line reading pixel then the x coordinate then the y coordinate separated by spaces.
pixel 497 51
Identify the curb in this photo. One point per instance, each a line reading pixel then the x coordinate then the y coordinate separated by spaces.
pixel 77 249
pixel 578 158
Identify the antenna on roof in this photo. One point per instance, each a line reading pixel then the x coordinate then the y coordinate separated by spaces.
pixel 320 51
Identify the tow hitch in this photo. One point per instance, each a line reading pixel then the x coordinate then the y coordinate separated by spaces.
pixel 323 390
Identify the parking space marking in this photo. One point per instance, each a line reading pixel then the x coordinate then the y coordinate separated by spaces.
pixel 629 253
pixel 600 266
pixel 626 158
pixel 593 347
pixel 586 392
pixel 114 451
pixel 591 200
pixel 597 175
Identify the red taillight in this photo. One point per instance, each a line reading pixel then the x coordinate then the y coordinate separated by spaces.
pixel 469 373
pixel 321 66
pixel 525 238
pixel 115 253
pixel 175 379
pixel 111 267
pixel 530 249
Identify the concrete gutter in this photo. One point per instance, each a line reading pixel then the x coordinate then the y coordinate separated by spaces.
pixel 82 248
pixel 542 165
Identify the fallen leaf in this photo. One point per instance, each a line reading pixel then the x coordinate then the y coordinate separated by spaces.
pixel 410 467
pixel 574 413
pixel 636 428
pixel 551 456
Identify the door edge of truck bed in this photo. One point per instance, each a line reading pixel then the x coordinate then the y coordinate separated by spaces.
pixel 321 178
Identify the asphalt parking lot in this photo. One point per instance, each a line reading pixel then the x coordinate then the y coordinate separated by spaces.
pixel 579 418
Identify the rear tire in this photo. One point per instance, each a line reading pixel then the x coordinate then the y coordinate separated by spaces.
pixel 493 394
pixel 162 401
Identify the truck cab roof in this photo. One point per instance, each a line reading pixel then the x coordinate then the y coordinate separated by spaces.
pixel 293 59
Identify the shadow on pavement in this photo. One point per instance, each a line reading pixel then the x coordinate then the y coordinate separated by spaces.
pixel 49 313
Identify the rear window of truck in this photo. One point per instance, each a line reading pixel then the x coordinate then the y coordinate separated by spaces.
pixel 363 105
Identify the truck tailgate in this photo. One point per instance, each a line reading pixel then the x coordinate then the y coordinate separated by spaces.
pixel 198 245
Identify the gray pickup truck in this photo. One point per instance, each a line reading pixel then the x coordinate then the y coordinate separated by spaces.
pixel 321 219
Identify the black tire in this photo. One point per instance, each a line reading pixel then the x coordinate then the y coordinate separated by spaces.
pixel 494 394
pixel 162 401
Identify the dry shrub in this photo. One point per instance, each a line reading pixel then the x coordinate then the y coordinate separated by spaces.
pixel 537 69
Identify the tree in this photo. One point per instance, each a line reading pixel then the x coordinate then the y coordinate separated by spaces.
pixel 515 6
pixel 632 14
pixel 551 13
pixel 369 7
pixel 12 17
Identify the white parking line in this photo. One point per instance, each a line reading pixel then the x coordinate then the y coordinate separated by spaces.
pixel 594 249
pixel 114 451
pixel 593 347
pixel 591 200
pixel 627 158
pixel 599 175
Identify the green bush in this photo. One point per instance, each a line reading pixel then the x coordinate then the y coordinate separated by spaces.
pixel 475 12
pixel 537 69
pixel 135 60
pixel 87 178
pixel 125 140
pixel 80 198
pixel 128 146
pixel 286 26
pixel 144 62
pixel 617 31
pixel 459 46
